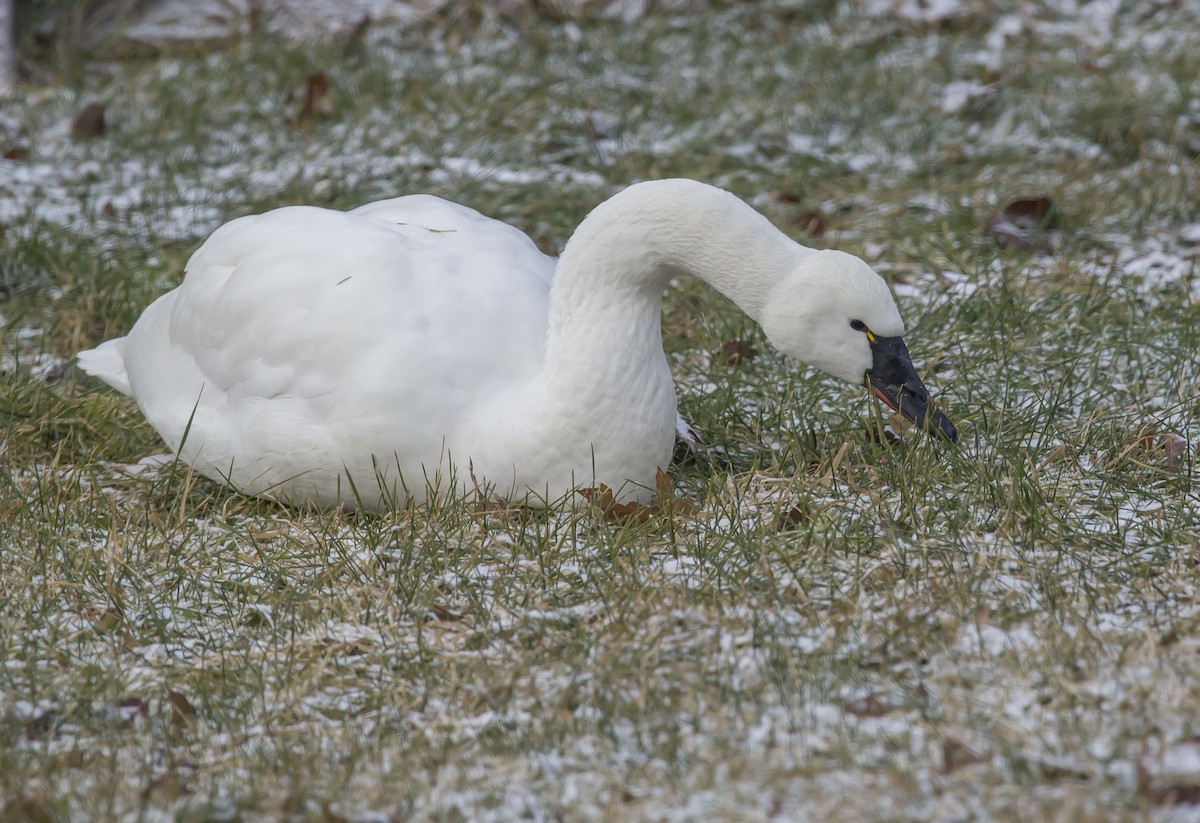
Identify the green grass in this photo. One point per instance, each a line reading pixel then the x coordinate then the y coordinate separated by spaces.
pixel 843 629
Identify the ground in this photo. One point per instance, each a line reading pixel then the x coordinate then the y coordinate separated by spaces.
pixel 830 622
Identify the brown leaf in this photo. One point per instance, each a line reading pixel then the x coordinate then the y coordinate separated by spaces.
pixel 869 706
pixel 108 620
pixel 983 616
pixel 666 495
pixel 88 122
pixel 956 755
pixel 1032 213
pixel 356 38
pixel 1175 448
pixel 128 711
pixel 1177 795
pixel 41 725
pixel 315 105
pixel 792 519
pixel 1061 771
pixel 812 222
pixel 30 807
pixel 602 497
pixel 882 436
pixel 182 710
pixel 737 352
pixel 438 612
pixel 16 153
pixel 1008 235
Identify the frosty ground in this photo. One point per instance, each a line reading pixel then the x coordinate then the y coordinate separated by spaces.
pixel 848 625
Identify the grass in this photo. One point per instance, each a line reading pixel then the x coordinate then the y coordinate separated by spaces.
pixel 844 628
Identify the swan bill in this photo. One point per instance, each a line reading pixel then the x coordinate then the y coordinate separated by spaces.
pixel 894 380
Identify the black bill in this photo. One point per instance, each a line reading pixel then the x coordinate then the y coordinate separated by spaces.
pixel 895 382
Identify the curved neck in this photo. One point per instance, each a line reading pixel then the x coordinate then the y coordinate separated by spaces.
pixel 607 292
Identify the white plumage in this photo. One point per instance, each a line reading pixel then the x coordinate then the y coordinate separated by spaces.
pixel 365 357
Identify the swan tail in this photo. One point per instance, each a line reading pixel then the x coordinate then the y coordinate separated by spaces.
pixel 107 361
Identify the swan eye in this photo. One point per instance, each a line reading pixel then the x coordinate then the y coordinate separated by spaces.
pixel 858 325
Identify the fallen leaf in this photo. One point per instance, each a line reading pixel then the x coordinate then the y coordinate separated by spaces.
pixel 1032 213
pixel 182 710
pixel 41 725
pixel 88 122
pixel 31 807
pixel 603 498
pixel 869 706
pixel 1181 795
pixel 1175 448
pixel 356 38
pixel 315 105
pixel 16 153
pixel 1009 235
pixel 666 495
pixel 983 616
pixel 737 352
pixel 108 620
pixel 956 755
pixel 128 711
pixel 1062 770
pixel 792 519
pixel 812 222
pixel 441 613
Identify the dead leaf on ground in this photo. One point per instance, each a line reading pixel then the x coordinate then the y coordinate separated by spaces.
pixel 88 122
pixel 16 153
pixel 1175 448
pixel 812 222
pixel 1177 795
pixel 957 755
pixel 31 807
pixel 41 725
pixel 108 620
pixel 356 38
pixel 603 498
pixel 1009 235
pixel 869 706
pixel 1061 770
pixel 793 518
pixel 1170 448
pixel 983 616
pixel 737 352
pixel 182 710
pixel 438 612
pixel 128 711
pixel 315 105
pixel 1032 213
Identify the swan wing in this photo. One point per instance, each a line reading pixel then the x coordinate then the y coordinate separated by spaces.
pixel 307 345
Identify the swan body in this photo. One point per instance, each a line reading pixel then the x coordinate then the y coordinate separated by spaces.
pixel 414 346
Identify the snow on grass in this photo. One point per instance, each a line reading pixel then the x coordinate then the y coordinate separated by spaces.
pixel 845 628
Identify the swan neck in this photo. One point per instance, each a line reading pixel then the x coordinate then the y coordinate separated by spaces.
pixel 631 246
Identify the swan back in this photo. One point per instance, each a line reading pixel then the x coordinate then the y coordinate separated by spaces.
pixel 303 339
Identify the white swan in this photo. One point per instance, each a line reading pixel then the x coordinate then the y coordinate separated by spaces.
pixel 367 357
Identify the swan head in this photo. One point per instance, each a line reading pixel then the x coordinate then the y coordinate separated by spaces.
pixel 835 313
